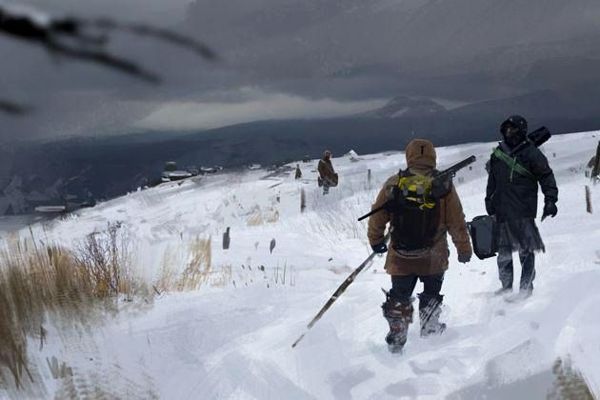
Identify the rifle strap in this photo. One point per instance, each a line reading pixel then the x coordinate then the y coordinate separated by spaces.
pixel 513 164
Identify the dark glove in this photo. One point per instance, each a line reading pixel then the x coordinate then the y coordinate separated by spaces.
pixel 489 208
pixel 379 248
pixel 550 210
pixel 464 258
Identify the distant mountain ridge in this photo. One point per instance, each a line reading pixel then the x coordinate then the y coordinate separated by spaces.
pixel 402 106
pixel 109 167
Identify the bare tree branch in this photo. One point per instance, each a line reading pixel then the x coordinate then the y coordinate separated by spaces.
pixel 85 40
pixel 72 27
pixel 106 59
pixel 13 108
pixel 159 33
pixel 47 35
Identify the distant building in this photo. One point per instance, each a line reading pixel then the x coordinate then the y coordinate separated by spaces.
pixel 170 166
pixel 171 173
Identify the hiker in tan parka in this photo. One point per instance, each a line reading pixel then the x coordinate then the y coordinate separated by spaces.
pixel 426 264
pixel 327 175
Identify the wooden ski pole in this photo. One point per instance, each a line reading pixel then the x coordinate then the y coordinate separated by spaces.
pixel 339 292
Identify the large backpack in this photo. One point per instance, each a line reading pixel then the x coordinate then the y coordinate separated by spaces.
pixel 415 211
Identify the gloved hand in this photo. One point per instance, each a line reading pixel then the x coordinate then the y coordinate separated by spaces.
pixel 464 258
pixel 550 210
pixel 379 248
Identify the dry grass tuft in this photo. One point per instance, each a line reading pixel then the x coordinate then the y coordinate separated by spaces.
pixel 168 275
pixel 255 219
pixel 259 217
pixel 31 284
pixel 198 269
pixel 37 281
pixel 569 384
pixel 223 278
pixel 192 272
pixel 104 257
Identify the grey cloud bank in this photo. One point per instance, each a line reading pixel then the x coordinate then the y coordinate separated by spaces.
pixel 351 50
pixel 274 106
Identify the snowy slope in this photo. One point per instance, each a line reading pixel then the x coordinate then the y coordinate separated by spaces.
pixel 232 340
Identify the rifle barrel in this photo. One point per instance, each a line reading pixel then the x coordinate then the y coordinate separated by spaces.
pixel 449 171
pixel 459 165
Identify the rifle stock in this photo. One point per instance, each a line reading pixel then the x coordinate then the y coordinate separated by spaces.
pixel 374 211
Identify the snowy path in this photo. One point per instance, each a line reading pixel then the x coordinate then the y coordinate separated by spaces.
pixel 234 341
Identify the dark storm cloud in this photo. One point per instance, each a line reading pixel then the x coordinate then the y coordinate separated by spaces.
pixel 76 98
pixel 342 52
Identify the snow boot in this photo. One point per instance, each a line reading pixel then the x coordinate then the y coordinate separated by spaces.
pixel 429 314
pixel 503 291
pixel 399 316
pixel 523 295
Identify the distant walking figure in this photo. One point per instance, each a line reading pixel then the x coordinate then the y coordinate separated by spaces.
pixel 327 175
pixel 298 172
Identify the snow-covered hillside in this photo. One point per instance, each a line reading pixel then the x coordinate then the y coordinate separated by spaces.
pixel 231 339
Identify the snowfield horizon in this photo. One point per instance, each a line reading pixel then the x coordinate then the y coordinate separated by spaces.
pixel 217 323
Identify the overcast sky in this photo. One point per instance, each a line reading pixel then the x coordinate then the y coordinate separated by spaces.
pixel 73 99
pixel 283 59
pixel 81 99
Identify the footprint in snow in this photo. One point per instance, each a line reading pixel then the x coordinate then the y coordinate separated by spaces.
pixel 428 366
pixel 414 387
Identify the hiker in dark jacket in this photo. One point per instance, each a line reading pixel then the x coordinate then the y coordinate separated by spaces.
pixel 511 197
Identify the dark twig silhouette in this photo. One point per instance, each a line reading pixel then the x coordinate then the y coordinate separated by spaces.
pixel 159 33
pixel 106 59
pixel 9 107
pixel 48 34
pixel 84 40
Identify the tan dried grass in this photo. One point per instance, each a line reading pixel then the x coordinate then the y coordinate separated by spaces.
pixel 36 281
pixel 199 266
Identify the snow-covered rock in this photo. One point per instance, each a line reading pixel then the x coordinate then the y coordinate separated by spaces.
pixel 353 156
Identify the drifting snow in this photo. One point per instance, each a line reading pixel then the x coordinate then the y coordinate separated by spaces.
pixel 233 339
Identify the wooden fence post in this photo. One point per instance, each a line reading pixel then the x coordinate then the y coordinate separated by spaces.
pixel 302 200
pixel 588 200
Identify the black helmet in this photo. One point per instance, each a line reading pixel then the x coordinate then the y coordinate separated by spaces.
pixel 515 122
pixel 514 129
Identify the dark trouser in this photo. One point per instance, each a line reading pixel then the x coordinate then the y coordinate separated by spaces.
pixel 505 268
pixel 325 187
pixel 403 286
pixel 430 300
